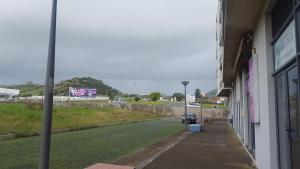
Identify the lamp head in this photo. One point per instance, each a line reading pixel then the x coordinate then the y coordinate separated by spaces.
pixel 185 83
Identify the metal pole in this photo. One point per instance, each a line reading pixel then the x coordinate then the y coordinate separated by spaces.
pixel 185 83
pixel 48 92
pixel 185 108
pixel 201 108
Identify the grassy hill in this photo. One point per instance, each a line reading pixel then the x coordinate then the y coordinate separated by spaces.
pixel 28 89
pixel 62 88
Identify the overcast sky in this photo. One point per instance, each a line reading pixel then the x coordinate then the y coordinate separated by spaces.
pixel 133 45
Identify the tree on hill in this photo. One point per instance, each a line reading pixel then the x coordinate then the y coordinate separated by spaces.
pixel 178 96
pixel 154 96
pixel 137 99
pixel 62 88
pixel 29 89
pixel 212 93
pixel 197 94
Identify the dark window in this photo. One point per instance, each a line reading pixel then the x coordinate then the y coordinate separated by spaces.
pixel 280 13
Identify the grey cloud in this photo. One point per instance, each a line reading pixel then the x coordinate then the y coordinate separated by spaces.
pixel 156 50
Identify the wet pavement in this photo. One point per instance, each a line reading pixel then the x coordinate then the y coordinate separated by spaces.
pixel 215 148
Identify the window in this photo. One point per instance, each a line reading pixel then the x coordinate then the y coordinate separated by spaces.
pixel 280 13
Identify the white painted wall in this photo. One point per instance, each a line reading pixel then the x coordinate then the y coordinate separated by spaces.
pixel 190 98
pixel 265 131
pixel 266 151
pixel 219 49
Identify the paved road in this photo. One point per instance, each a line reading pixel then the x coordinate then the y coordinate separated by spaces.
pixel 215 148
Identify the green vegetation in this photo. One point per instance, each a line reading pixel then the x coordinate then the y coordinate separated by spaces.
pixel 21 117
pixel 62 88
pixel 74 150
pixel 179 96
pixel 129 99
pixel 30 89
pixel 154 96
pixel 137 99
pixel 211 106
pixel 198 94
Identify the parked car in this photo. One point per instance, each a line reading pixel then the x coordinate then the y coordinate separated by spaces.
pixel 193 105
pixel 191 118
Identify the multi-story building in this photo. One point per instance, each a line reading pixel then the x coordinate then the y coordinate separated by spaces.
pixel 258 57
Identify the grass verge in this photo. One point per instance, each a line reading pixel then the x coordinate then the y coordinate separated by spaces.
pixel 79 149
pixel 16 118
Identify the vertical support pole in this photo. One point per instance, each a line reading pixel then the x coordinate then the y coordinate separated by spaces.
pixel 185 108
pixel 201 109
pixel 48 94
pixel 185 83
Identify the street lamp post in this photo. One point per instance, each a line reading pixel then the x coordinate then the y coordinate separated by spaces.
pixel 48 94
pixel 185 83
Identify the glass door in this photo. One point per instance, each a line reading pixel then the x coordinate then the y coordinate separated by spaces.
pixel 282 118
pixel 293 130
pixel 288 118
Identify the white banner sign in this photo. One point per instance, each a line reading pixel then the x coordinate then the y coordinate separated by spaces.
pixel 285 46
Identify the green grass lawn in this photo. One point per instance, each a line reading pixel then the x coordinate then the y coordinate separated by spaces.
pixel 210 106
pixel 79 149
pixel 34 90
pixel 21 117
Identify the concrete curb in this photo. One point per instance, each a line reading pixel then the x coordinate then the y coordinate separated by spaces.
pixel 146 155
pixel 146 162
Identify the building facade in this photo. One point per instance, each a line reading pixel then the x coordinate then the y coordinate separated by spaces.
pixel 9 92
pixel 258 58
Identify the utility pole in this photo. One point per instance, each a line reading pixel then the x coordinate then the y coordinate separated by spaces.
pixel 48 92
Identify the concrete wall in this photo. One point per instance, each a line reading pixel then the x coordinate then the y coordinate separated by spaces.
pixel 65 98
pixel 175 111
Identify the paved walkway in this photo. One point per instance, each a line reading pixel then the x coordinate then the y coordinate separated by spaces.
pixel 215 148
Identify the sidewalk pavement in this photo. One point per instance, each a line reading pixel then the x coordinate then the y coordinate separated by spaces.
pixel 215 148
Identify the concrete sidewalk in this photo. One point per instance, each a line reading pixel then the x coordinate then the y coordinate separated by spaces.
pixel 215 148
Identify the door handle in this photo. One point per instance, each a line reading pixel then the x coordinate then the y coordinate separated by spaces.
pixel 290 130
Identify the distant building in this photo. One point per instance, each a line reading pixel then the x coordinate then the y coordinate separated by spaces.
pixel 9 92
pixel 190 98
